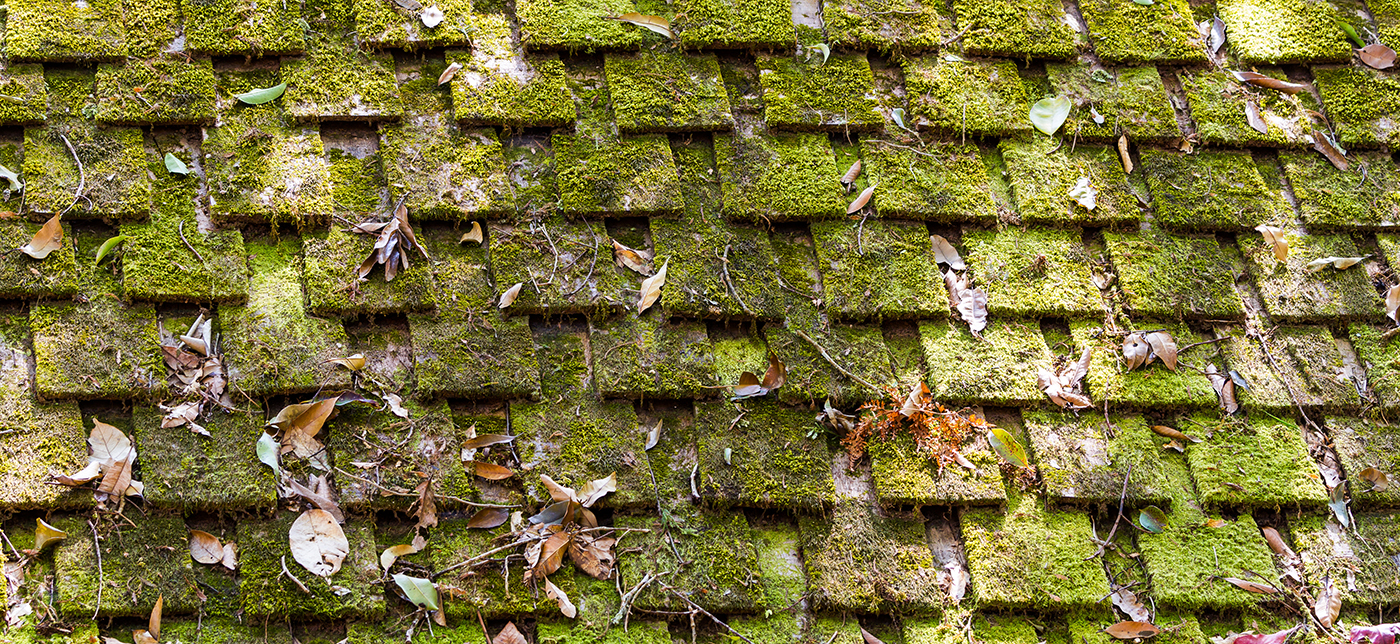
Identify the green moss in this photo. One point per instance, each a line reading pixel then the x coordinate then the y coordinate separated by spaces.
pixel 1259 463
pixel 384 23
pixel 699 282
pixel 1188 560
pixel 1361 444
pixel 630 174
pixel 878 270
pixel 447 172
pixel 1129 100
pixel 332 287
pixel 728 24
pixel 1165 275
pixel 903 476
pixel 1381 360
pixel 1294 293
pixel 998 369
pixel 598 601
pixel 117 154
pixel 485 590
pixel 667 92
pixel 981 98
pixel 589 441
pixel 1029 556
pixel 398 628
pixel 1331 199
pixel 1219 104
pixel 1210 191
pixel 888 25
pixel 1038 29
pixel 772 462
pixel 24 83
pixel 579 25
pixel 530 166
pixel 1033 272
pixel 939 181
pixel 146 557
pixel 266 593
pixel 816 94
pixel 228 27
pixel 433 452
pixel 1177 627
pixel 61 31
pixel 1304 371
pixel 650 356
pixel 260 168
pixel 183 470
pixel 1042 174
pixel 22 276
pixel 222 631
pixel 527 253
pixel 156 90
pixel 1083 458
pixel 1150 386
pixel 860 562
pixel 1361 103
pixel 1287 31
pixel 987 628
pixel 1359 562
pixel 334 80
pixel 1162 32
pixel 500 84
pixel 778 177
pixel 722 565
pixel 388 353
pixel 565 365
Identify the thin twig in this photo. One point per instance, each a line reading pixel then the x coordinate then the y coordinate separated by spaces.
pixel 1122 496
pixel 82 175
pixel 704 612
pixel 1292 396
pixel 1197 344
pixel 955 37
pixel 832 362
pixel 728 283
pixel 98 548
pixel 480 557
pixel 631 594
pixel 402 493
pixel 294 579
pixel 187 244
pixel 484 633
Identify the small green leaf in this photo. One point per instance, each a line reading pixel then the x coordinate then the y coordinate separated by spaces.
pixel 10 176
pixel 1350 31
pixel 107 247
pixel 267 453
pixel 1152 519
pixel 1048 114
pixel 1010 449
pixel 260 96
pixel 175 165
pixel 422 592
pixel 1145 3
pixel 824 49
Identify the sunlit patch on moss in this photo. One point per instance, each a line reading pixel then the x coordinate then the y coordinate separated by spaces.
pixel 878 269
pixel 1362 103
pixel 1040 29
pixel 1210 191
pixel 1188 559
pixel 771 460
pixel 998 369
pixel 942 181
pixel 813 94
pixel 1165 275
pixel 1262 462
pixel 777 177
pixel 1033 272
pixel 1162 32
pixel 1150 386
pixel 735 23
pixel 501 84
pixel 265 592
pixel 981 98
pixel 722 572
pixel 1289 31
pixel 1219 109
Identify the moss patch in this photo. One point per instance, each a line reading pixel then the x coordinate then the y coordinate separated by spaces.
pixel 1219 103
pixel 1308 364
pixel 230 27
pixel 384 23
pixel 579 25
pixel 1293 293
pixel 22 276
pixel 1361 103
pixel 332 288
pixel 163 91
pixel 999 369
pixel 1209 191
pixel 667 92
pixel 721 24
pixel 778 177
pixel 1162 32
pixel 1039 29
pixel 1366 556
pixel 51 174
pixel 877 270
pixel 981 98
pixel 722 574
pixel 25 83
pixel 59 31
pixel 902 476
pixel 334 80
pixel 1330 199
pixel 861 562
pixel 1029 556
pixel 565 266
pixel 1084 458
pixel 1165 275
pixel 182 470
pixel 1265 457
pixel 432 453
pixel 1129 100
pixel 1360 444
pixel 631 174
pixel 146 560
pixel 1183 561
pixel 909 25
pixel 597 602
pixel 485 589
pixel 1379 357
pixel 939 181
pixel 1151 386
pixel 812 94
pixel 1287 31
pixel 649 356
pixel 1028 273
pixel 987 628
pixel 580 443
pixel 266 593
pixel 1043 172
pixel 780 567
pixel 772 462
pixel 500 84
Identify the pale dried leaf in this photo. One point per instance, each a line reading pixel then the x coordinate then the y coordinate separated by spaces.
pixel 972 306
pixel 205 548
pixel 322 501
pixel 1339 263
pixel 651 288
pixel 869 638
pixel 318 543
pixel 230 558
pixel 1251 586
pixel 945 253
pixel 108 444
pixel 431 17
pixel 653 23
pixel 116 479
pixel 1136 350
pixel 300 423
pixel 1174 434
pixel 141 637
pixel 637 260
pixel 1329 601
pixel 1123 153
pixel 596 489
pixel 653 436
pixel 1084 194
pixel 861 200
pixel 354 362
pixel 915 399
pixel 394 402
pixel 1163 348
pixel 445 76
pixel 851 173
pixel 1048 114
pixel 1379 481
pixel 509 635
pixel 92 470
pixel 565 606
pixel 48 239
pixel 1392 303
pixel 45 534
pixel 1277 238
pixel 557 492
pixel 1217 35
pixel 1128 602
pixel 1253 118
pixel 153 624
pixel 508 297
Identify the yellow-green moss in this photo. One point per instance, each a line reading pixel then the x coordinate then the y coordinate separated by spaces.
pixel 1150 386
pixel 1381 360
pixel 1209 191
pixel 778 177
pixel 904 476
pixel 335 80
pixel 1084 458
pixel 332 287
pixel 1287 31
pixel 1362 443
pixel 447 172
pixel 115 154
pixel 878 270
pixel 582 442
pixel 888 25
pixel 1130 100
pixel 649 356
pixel 1028 556
pixel 836 93
pixel 579 25
pixel 24 84
pixel 1033 272
pixel 500 84
pixel 938 181
pixel 597 603
pixel 146 557
pixel 772 462
pixel 667 92
pixel 1264 462
pixel 165 91
pixel 1166 276
pixel 185 471
pixel 1294 293
pixel 860 562
pixel 1043 172
pixel 1219 107
pixel 1365 555
pixel 629 174
pixel 721 571
pixel 998 369
pixel 62 31
pixel 988 628
pixel 1188 561
pixel 228 27
pixel 1361 103
pixel 384 23
pixel 265 592
pixel 980 98
pixel 734 23
pixel 552 259
pixel 1162 32
pixel 1306 363
pixel 1038 29
pixel 1331 199
pixel 22 276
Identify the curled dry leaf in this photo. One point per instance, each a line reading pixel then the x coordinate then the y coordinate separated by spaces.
pixel 1328 148
pixel 1328 603
pixel 1269 82
pixel 486 440
pixel 593 555
pixel 1163 430
pixel 1136 350
pixel 153 624
pixel 353 362
pixel 1251 586
pixel 637 260
pixel 1217 35
pixel 508 297
pixel 47 240
pixel 651 288
pixel 1224 389
pixel 1163 348
pixel 1339 263
pixel 654 435
pixel 1084 194
pixel 1123 153
pixel 1392 303
pixel 230 559
pixel 509 635
pixel 1127 601
pixel 869 638
pixel 1378 479
pixel 861 200
pixel 1276 238
pixel 1250 637
pixel 318 543
pixel 205 548
pixel 431 17
pixel 392 553
pixel 751 387
pixel 945 253
pixel 1377 56
pixel 1131 630
pixel 447 75
pixel 1254 118
pixel 972 306
pixel 488 518
pixel 473 235
pixel 45 534
pixel 565 606
pixel 656 24
pixel 851 173
pixel 300 423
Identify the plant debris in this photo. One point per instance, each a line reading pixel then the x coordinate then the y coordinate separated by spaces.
pixel 751 387
pixel 1276 238
pixel 1377 56
pixel 637 260
pixel 1066 386
pixel 195 371
pixel 48 239
pixel 651 288
pixel 395 242
pixel 112 457
pixel 318 543
pixel 1140 348
pixel 1048 114
pixel 655 24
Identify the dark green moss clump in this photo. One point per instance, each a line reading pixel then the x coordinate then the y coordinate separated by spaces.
pixel 1165 275
pixel 722 572
pixel 1188 560
pixel 164 91
pixel 501 84
pixel 1129 100
pixel 1210 191
pixel 183 470
pixel 1040 271
pixel 598 602
pixel 265 592
pixel 649 356
pixel 1039 29
pixel 861 562
pixel 667 92
pixel 332 288
pixel 448 173
pixel 981 98
pixel 1259 463
pixel 1361 444
pixel 1306 362
pixel 1162 32
pixel 1378 356
pixel 1362 103
pixel 1025 555
pixel 778 177
pixel 812 94
pixel 147 560
pixel 229 27
pixel 1294 293
pixel 878 270
pixel 771 460
pixel 1219 103
pixel 1084 458
pixel 751 24
pixel 907 25
pixel 1287 31
pixel 61 31
pixel 940 181
pixel 1043 173
pixel 384 23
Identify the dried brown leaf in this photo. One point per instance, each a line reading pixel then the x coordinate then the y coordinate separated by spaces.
pixel 1277 238
pixel 1377 56
pixel 637 260
pixel 1123 153
pixel 556 491
pixel 1324 145
pixel 1392 303
pixel 972 306
pixel 651 288
pixel 1269 82
pixel 353 362
pixel 596 489
pixel 205 548
pixel 861 200
pixel 153 624
pixel 318 543
pixel 320 500
pixel 116 479
pixel 45 534
pixel 486 440
pixel 447 75
pixel 551 556
pixel 300 423
pixel 1136 350
pixel 593 555
pixel 1131 630
pixel 776 375
pixel 945 253
pixel 1224 389
pixel 508 297
pixel 491 471
pixel 652 23
pixel 48 239
pixel 1329 599
pixel 869 638
pixel 1163 348
pixel 1128 602
pixel 852 173
pixel 1169 432
pixel 1251 586
pixel 509 635
pixel 392 554
pixel 1379 481
pixel 488 518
